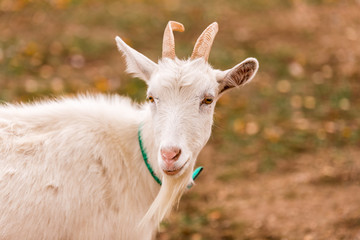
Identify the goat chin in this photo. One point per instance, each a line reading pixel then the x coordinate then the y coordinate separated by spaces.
pixel 170 193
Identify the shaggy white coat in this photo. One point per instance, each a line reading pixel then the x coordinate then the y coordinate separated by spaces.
pixel 72 169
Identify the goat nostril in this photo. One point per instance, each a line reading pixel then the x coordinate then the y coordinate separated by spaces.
pixel 178 153
pixel 171 153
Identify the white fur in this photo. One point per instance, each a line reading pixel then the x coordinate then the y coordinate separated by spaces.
pixel 71 168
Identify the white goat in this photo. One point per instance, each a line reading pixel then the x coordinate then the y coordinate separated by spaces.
pixel 72 168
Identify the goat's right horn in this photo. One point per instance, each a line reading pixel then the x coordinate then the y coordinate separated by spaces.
pixel 168 40
pixel 203 44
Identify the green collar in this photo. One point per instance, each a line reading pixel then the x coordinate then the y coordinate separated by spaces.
pixel 145 157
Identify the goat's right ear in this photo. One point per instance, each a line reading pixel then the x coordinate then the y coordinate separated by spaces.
pixel 137 64
pixel 238 75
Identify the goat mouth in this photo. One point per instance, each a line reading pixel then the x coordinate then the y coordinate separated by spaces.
pixel 173 171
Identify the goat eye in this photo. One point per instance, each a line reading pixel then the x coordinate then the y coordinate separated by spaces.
pixel 207 101
pixel 151 99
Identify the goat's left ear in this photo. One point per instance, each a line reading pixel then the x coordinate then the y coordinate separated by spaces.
pixel 238 75
pixel 137 64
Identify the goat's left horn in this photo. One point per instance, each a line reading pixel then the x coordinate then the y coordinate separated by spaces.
pixel 203 44
pixel 168 40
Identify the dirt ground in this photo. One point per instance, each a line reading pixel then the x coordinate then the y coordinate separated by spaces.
pixel 314 196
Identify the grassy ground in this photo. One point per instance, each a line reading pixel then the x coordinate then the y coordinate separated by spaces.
pixel 282 161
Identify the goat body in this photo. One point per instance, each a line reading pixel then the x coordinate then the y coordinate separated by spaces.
pixel 71 168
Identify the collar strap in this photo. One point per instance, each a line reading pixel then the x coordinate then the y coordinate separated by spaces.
pixel 145 157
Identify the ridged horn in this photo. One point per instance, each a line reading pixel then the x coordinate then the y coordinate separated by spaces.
pixel 203 44
pixel 168 40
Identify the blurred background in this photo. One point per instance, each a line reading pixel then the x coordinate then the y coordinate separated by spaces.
pixel 283 160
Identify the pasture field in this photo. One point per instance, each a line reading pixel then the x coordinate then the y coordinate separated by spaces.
pixel 284 158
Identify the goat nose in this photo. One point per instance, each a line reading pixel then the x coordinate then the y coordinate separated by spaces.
pixel 170 154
